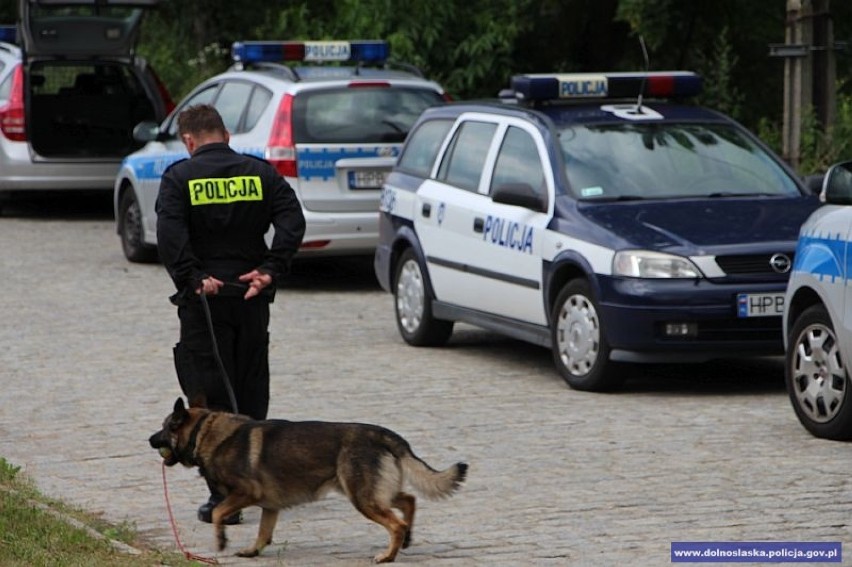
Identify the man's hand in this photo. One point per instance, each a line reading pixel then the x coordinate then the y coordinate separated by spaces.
pixel 257 281
pixel 209 286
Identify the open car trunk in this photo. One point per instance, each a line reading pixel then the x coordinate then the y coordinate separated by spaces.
pixel 86 89
pixel 85 110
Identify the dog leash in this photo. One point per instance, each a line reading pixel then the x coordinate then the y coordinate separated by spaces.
pixel 206 306
pixel 186 553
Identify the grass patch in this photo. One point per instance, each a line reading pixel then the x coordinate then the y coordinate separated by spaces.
pixel 30 535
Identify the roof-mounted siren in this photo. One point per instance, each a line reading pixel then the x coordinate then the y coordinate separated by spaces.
pixel 361 51
pixel 9 34
pixel 543 87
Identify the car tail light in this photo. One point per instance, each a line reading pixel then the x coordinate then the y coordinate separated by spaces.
pixel 281 150
pixel 164 92
pixel 12 118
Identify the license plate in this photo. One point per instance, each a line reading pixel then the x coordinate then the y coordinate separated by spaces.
pixel 760 304
pixel 369 179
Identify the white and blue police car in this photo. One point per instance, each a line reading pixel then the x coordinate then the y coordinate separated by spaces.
pixel 332 124
pixel 817 315
pixel 601 216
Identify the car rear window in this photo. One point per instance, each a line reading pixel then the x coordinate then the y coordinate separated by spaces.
pixel 359 114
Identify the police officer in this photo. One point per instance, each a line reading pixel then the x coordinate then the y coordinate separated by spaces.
pixel 213 211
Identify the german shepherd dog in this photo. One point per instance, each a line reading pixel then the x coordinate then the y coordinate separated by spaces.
pixel 276 464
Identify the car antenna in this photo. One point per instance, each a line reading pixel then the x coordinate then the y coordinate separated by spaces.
pixel 638 108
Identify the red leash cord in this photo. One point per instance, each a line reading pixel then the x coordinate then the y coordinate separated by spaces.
pixel 188 554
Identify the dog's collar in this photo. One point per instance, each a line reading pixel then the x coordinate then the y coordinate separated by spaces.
pixel 193 440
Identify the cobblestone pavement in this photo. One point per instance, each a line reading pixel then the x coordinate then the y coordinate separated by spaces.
pixel 557 477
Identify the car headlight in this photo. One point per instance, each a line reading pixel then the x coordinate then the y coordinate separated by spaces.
pixel 648 264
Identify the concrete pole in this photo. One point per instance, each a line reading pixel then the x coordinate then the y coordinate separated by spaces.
pixel 797 79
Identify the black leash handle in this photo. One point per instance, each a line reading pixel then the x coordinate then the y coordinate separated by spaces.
pixel 216 354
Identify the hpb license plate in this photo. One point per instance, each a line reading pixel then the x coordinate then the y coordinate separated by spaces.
pixel 368 179
pixel 760 304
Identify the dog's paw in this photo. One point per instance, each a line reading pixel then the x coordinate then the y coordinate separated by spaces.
pixel 383 558
pixel 221 540
pixel 248 552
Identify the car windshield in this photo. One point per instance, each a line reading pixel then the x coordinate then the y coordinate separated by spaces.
pixel 359 115
pixel 666 160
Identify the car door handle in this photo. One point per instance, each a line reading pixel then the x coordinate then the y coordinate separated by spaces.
pixel 478 224
pixel 427 210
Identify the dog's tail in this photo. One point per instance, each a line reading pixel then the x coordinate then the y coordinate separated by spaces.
pixel 432 484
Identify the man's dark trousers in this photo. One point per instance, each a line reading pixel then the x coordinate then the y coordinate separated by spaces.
pixel 241 329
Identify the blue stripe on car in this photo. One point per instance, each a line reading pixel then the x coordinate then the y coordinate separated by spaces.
pixel 823 257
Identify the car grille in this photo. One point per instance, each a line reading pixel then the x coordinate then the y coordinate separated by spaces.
pixel 744 264
pixel 733 332
pixel 741 330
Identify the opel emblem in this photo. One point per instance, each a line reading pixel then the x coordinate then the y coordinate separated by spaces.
pixel 780 263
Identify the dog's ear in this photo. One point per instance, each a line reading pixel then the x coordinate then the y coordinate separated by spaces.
pixel 179 414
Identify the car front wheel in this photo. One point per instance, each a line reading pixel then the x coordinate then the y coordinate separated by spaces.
pixel 580 350
pixel 130 229
pixel 817 381
pixel 414 308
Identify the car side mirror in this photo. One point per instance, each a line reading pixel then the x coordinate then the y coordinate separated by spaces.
pixel 519 194
pixel 837 187
pixel 146 131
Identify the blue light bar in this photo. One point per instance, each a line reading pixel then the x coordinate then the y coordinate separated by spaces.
pixel 660 84
pixel 372 51
pixel 9 34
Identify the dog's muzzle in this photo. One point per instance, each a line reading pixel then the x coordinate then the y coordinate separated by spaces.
pixel 160 442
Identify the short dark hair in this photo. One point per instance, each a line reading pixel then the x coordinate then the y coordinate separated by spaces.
pixel 200 118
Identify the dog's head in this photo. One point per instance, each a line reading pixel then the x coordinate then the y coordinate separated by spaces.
pixel 176 440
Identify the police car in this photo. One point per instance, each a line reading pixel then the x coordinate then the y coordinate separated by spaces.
pixel 332 125
pixel 601 216
pixel 71 90
pixel 817 317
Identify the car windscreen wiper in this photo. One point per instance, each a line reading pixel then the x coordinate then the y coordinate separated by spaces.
pixel 724 194
pixel 614 198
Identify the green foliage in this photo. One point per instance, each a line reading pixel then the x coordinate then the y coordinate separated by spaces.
pixel 720 91
pixel 466 46
pixel 822 147
pixel 32 535
pixel 655 20
pixel 769 131
pixel 472 47
pixel 735 34
pixel 8 471
pixel 8 12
